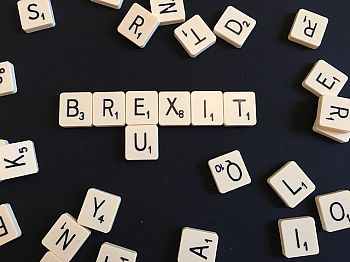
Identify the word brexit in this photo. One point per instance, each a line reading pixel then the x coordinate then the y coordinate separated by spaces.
pixel 142 111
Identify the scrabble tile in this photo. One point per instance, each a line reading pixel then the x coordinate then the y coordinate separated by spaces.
pixel 333 113
pixel 99 210
pixel 65 238
pixel 197 245
pixel 8 84
pixel 76 109
pixel 138 25
pixel 35 15
pixel 141 142
pixel 308 29
pixel 234 27
pixel 195 36
pixel 3 142
pixel 334 210
pixel 207 108
pixel 50 257
pixel 324 79
pixel 18 159
pixel 229 172
pixel 110 252
pixel 168 11
pixel 116 4
pixel 9 228
pixel 239 109
pixel 291 184
pixel 174 108
pixel 141 108
pixel 341 137
pixel 108 109
pixel 298 237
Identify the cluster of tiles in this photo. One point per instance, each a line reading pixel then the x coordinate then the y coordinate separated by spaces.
pixel 333 118
pixel 298 235
pixel 142 111
pixel 194 35
pixel 99 210
pixel 68 235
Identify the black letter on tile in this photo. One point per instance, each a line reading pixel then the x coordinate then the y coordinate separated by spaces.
pixel 144 142
pixel 238 30
pixel 339 112
pixel 3 227
pixel 74 106
pixel 199 250
pixel 168 6
pixel 138 22
pixel 309 31
pixel 108 108
pixel 65 236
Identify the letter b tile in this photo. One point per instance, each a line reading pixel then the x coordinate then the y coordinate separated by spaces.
pixel 76 109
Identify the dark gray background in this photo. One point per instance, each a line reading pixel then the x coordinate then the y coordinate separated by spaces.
pixel 85 53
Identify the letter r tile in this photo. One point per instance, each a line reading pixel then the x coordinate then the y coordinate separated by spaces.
pixel 138 25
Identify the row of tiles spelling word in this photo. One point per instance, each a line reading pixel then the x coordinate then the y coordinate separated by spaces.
pixel 194 35
pixel 199 108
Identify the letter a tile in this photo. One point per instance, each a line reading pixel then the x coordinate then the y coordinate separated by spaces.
pixel 197 245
